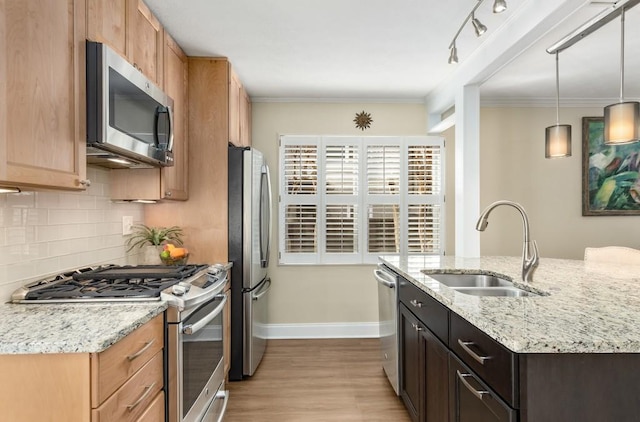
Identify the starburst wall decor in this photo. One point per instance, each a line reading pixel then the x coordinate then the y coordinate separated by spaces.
pixel 363 120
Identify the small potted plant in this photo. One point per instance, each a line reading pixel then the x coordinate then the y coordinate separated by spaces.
pixel 152 238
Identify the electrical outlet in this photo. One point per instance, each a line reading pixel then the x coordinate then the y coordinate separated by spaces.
pixel 127 225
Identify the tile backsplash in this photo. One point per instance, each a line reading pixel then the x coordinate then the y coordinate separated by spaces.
pixel 43 233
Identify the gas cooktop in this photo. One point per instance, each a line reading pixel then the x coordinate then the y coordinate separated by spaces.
pixel 108 283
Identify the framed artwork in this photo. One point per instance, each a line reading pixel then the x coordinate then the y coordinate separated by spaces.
pixel 610 174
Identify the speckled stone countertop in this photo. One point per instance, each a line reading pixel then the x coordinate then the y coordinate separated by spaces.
pixel 71 328
pixel 587 308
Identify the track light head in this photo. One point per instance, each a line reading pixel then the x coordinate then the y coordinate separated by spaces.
pixel 499 6
pixel 453 54
pixel 478 26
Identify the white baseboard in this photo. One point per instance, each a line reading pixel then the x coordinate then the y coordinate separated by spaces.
pixel 323 330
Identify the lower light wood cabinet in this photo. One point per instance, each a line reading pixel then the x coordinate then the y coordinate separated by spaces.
pixel 124 383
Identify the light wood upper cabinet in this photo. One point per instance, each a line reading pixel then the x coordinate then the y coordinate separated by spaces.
pixel 107 23
pixel 146 41
pixel 42 94
pixel 239 112
pixel 234 108
pixel 129 28
pixel 245 118
pixel 167 182
pixel 174 180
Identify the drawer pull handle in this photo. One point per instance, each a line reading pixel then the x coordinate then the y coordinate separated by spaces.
pixel 465 346
pixel 478 393
pixel 416 327
pixel 141 351
pixel 147 390
pixel 416 303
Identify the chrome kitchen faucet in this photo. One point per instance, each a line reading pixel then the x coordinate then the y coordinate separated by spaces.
pixel 529 249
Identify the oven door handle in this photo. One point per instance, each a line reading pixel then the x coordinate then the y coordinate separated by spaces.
pixel 194 328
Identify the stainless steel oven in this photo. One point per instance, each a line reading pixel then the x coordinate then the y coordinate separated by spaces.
pixel 196 324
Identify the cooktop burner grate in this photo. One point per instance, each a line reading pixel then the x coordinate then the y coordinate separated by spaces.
pixel 111 282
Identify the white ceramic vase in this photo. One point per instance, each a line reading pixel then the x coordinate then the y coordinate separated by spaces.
pixel 151 255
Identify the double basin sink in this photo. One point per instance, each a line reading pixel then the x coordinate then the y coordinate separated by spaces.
pixel 480 285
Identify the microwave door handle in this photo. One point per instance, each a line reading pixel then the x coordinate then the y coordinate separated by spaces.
pixel 156 122
pixel 194 328
pixel 170 114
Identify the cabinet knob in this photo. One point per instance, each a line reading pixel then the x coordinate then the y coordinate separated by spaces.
pixel 416 327
pixel 85 182
pixel 168 194
pixel 416 303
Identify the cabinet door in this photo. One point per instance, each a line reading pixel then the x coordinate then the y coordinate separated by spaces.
pixel 107 23
pixel 174 180
pixel 42 93
pixel 234 108
pixel 472 400
pixel 245 118
pixel 411 363
pixel 436 374
pixel 146 41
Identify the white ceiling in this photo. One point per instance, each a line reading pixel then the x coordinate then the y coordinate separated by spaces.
pixel 391 50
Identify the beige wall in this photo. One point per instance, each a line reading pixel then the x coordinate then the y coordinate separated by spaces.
pixel 325 294
pixel 513 167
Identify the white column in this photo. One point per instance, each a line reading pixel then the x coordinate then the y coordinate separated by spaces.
pixel 467 171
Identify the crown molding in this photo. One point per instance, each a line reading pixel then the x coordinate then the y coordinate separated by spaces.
pixel 416 100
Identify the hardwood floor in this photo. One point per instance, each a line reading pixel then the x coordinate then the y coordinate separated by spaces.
pixel 317 380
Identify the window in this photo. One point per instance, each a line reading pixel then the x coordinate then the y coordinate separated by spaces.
pixel 346 200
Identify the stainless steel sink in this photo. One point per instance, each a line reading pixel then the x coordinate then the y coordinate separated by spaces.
pixel 495 291
pixel 471 280
pixel 480 285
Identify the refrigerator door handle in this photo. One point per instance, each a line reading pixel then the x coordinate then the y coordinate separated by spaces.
pixel 265 250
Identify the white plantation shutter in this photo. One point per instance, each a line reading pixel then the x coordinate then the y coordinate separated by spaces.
pixel 351 199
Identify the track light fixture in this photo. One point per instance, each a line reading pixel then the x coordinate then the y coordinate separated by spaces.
pixel 499 6
pixel 477 25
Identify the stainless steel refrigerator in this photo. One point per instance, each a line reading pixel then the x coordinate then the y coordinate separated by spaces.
pixel 250 208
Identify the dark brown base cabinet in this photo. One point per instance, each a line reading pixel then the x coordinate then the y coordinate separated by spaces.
pixel 450 371
pixel 424 385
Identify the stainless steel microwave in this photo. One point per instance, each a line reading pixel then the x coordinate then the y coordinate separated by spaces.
pixel 129 118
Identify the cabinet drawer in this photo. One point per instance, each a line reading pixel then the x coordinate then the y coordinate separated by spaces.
pixel 433 314
pixel 155 411
pixel 135 396
pixel 111 368
pixel 473 400
pixel 491 361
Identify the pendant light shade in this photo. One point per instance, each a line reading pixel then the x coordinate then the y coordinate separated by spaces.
pixel 621 120
pixel 557 141
pixel 621 123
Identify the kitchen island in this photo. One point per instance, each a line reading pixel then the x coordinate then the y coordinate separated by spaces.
pixel 570 353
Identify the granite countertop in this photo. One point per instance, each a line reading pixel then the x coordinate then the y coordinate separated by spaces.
pixel 585 307
pixel 71 328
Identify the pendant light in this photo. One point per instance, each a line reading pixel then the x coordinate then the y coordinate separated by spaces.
pixel 557 142
pixel 621 120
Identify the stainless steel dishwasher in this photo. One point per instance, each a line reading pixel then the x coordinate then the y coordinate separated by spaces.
pixel 388 316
